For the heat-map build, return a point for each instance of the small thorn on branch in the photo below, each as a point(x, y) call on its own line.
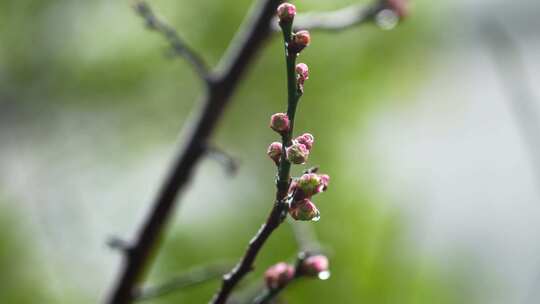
point(119, 244)
point(178, 45)
point(230, 163)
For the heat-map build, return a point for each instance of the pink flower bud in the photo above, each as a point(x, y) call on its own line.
point(297, 153)
point(274, 151)
point(306, 139)
point(314, 265)
point(400, 7)
point(279, 122)
point(308, 184)
point(278, 275)
point(325, 180)
point(300, 40)
point(304, 210)
point(302, 70)
point(286, 12)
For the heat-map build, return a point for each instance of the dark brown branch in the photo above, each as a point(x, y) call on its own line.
point(190, 278)
point(179, 47)
point(221, 87)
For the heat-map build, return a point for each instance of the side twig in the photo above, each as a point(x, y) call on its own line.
point(179, 47)
point(190, 278)
point(340, 19)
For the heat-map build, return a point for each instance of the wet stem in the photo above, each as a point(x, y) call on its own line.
point(283, 177)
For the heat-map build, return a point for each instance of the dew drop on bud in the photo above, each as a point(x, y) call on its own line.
point(387, 19)
point(324, 275)
point(316, 218)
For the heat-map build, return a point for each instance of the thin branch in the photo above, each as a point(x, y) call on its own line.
point(190, 278)
point(230, 163)
point(340, 19)
point(178, 45)
point(279, 211)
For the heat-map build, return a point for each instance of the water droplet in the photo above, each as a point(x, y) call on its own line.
point(317, 217)
point(324, 275)
point(387, 19)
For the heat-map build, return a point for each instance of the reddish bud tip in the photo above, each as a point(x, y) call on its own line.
point(279, 122)
point(278, 275)
point(302, 70)
point(297, 153)
point(274, 151)
point(304, 210)
point(400, 7)
point(306, 139)
point(286, 12)
point(314, 265)
point(300, 40)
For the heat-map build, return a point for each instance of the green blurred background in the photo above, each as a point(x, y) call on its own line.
point(90, 112)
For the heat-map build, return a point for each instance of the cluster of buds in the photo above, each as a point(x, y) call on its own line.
point(278, 275)
point(299, 40)
point(301, 191)
point(281, 274)
point(298, 152)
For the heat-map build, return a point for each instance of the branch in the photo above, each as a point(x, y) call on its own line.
point(279, 211)
point(340, 19)
point(192, 277)
point(179, 47)
point(222, 84)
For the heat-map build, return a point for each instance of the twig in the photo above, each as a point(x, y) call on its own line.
point(340, 19)
point(192, 277)
point(179, 46)
point(230, 163)
point(279, 211)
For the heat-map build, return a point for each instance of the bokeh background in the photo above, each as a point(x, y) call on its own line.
point(429, 132)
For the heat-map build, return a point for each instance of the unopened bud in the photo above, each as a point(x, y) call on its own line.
point(278, 275)
point(297, 153)
point(400, 7)
point(307, 185)
point(304, 210)
point(306, 139)
point(300, 40)
point(314, 265)
point(274, 151)
point(302, 72)
point(325, 180)
point(279, 122)
point(286, 12)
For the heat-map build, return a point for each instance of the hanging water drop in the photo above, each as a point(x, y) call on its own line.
point(387, 19)
point(324, 275)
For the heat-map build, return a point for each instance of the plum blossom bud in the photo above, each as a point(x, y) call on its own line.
point(302, 72)
point(278, 275)
point(279, 122)
point(400, 7)
point(306, 139)
point(274, 151)
point(286, 12)
point(300, 40)
point(308, 184)
point(325, 180)
point(304, 210)
point(314, 265)
point(297, 153)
